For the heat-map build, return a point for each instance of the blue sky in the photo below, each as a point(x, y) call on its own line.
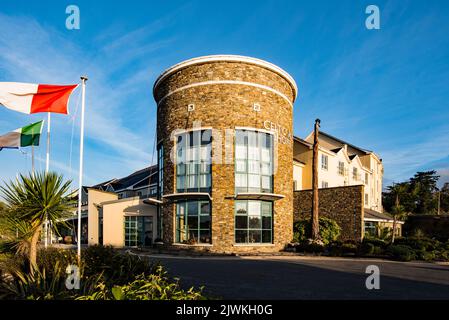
point(385, 90)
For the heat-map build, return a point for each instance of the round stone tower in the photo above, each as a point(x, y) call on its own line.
point(225, 154)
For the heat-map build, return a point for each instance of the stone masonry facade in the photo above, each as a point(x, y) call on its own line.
point(342, 204)
point(222, 106)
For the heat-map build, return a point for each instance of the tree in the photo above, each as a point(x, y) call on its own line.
point(398, 211)
point(444, 198)
point(425, 185)
point(35, 198)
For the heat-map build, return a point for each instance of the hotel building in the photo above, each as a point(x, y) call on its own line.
point(228, 164)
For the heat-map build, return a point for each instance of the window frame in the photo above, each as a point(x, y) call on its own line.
point(186, 216)
point(194, 167)
point(247, 214)
point(324, 164)
point(256, 171)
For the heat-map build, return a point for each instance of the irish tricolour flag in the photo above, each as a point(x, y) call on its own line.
point(22, 137)
point(33, 98)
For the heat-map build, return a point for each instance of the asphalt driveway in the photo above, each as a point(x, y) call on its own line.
point(297, 277)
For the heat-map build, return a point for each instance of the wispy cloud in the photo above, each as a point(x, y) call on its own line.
point(30, 52)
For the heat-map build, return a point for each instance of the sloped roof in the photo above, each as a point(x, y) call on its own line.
point(342, 142)
point(372, 214)
point(134, 178)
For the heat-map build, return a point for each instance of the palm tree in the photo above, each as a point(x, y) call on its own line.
point(398, 211)
point(33, 199)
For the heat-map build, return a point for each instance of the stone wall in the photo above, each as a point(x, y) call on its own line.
point(342, 204)
point(223, 106)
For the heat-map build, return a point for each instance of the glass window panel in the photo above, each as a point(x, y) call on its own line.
point(266, 169)
point(192, 222)
point(181, 169)
point(253, 181)
point(266, 182)
point(266, 236)
point(192, 208)
point(241, 222)
point(254, 208)
point(240, 180)
point(266, 208)
point(266, 155)
point(253, 166)
point(253, 153)
point(204, 222)
point(254, 236)
point(205, 208)
point(193, 182)
point(205, 236)
point(240, 207)
point(193, 235)
point(254, 222)
point(240, 152)
point(240, 165)
point(266, 222)
point(241, 236)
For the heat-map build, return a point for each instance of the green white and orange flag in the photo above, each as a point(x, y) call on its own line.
point(22, 137)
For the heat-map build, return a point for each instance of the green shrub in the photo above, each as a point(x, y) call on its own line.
point(376, 242)
point(401, 252)
point(426, 255)
point(442, 255)
point(310, 247)
point(424, 244)
point(349, 248)
point(102, 268)
point(329, 230)
point(117, 268)
point(334, 249)
point(155, 286)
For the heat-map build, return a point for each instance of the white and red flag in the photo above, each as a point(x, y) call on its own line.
point(33, 98)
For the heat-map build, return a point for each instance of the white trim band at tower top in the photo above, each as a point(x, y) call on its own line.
point(230, 58)
point(234, 82)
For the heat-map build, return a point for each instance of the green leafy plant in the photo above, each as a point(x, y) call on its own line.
point(329, 230)
point(401, 252)
point(34, 199)
point(156, 286)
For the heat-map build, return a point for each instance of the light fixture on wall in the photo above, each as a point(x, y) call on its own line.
point(256, 107)
point(191, 107)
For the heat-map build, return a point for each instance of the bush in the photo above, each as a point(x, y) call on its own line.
point(349, 248)
point(401, 252)
point(116, 267)
point(102, 268)
point(423, 244)
point(329, 230)
point(310, 247)
point(426, 255)
point(155, 286)
point(372, 247)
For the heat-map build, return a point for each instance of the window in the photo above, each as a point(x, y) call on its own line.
point(366, 178)
point(253, 161)
point(366, 198)
point(355, 174)
point(341, 168)
point(324, 162)
point(160, 164)
point(324, 184)
point(138, 231)
point(193, 161)
point(370, 229)
point(253, 221)
point(193, 221)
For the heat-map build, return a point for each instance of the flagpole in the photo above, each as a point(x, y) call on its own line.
point(47, 167)
point(47, 164)
point(80, 180)
point(32, 160)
